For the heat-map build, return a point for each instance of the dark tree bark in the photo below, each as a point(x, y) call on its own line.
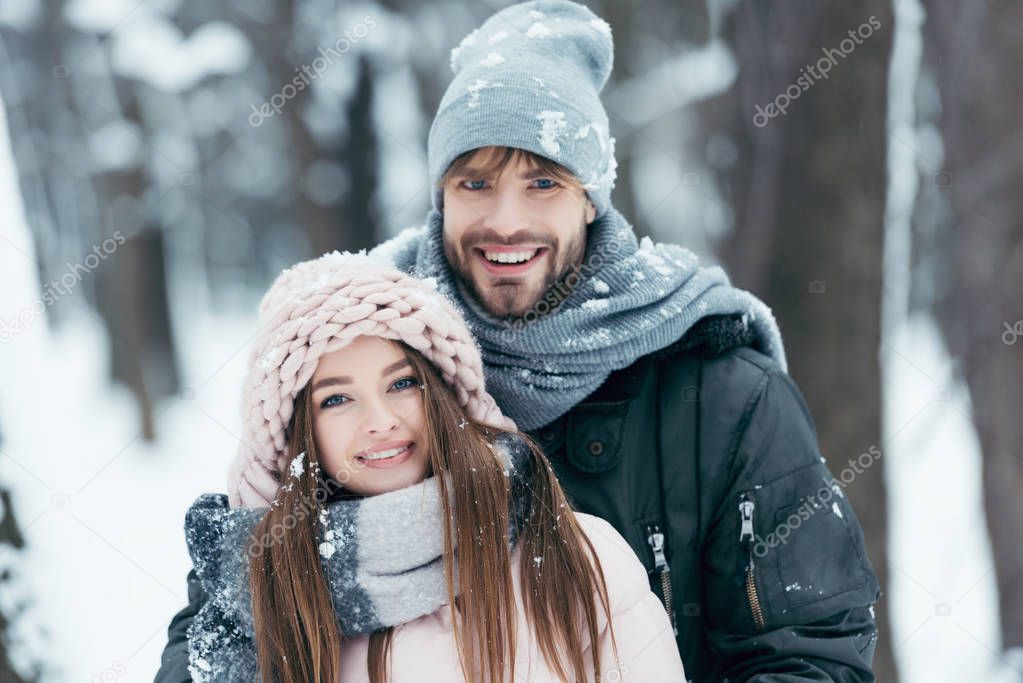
point(974, 50)
point(359, 155)
point(132, 298)
point(131, 282)
point(808, 192)
point(11, 540)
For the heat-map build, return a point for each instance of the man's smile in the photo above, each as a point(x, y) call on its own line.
point(509, 261)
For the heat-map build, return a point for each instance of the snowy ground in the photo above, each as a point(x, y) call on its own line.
point(941, 581)
point(101, 509)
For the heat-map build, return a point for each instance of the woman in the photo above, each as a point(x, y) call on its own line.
point(386, 522)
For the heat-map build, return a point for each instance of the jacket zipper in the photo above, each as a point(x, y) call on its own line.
point(656, 540)
point(746, 534)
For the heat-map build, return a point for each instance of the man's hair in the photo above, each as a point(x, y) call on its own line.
point(491, 161)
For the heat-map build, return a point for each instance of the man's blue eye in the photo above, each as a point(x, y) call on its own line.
point(329, 402)
point(475, 184)
point(545, 184)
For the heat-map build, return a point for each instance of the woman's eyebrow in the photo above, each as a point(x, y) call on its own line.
point(395, 366)
point(345, 379)
point(330, 381)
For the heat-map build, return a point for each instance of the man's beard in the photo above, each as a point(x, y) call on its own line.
point(511, 298)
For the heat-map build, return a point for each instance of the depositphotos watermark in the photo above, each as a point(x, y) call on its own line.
point(1012, 333)
point(818, 501)
point(564, 288)
point(25, 318)
point(811, 75)
point(617, 674)
point(309, 72)
point(110, 674)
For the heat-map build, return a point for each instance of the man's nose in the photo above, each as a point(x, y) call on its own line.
point(506, 214)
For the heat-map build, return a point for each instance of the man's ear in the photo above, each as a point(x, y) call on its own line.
point(591, 212)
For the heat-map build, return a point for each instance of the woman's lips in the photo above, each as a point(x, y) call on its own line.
point(392, 461)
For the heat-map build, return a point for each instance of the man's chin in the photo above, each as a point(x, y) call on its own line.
point(506, 301)
point(501, 308)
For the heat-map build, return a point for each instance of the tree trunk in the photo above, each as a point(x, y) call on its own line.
point(133, 300)
point(973, 50)
point(131, 282)
point(808, 192)
point(11, 540)
point(359, 157)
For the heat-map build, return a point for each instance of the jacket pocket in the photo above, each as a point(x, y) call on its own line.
point(594, 435)
point(806, 559)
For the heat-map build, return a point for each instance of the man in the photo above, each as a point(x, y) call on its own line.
point(658, 391)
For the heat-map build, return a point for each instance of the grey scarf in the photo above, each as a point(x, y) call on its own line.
point(626, 300)
point(382, 557)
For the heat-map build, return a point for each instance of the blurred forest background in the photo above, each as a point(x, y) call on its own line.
point(162, 172)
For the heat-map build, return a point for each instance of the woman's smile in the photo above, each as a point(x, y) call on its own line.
point(390, 454)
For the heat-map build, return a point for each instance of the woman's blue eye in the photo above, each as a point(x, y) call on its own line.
point(340, 400)
point(545, 184)
point(475, 184)
point(329, 402)
point(404, 383)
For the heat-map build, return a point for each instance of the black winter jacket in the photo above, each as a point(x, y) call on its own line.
point(705, 458)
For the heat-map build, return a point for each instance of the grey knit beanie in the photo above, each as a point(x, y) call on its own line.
point(530, 77)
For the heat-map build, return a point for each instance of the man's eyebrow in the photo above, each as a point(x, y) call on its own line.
point(345, 379)
point(470, 172)
point(534, 173)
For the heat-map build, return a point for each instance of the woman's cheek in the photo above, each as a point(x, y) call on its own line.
point(411, 403)
point(330, 444)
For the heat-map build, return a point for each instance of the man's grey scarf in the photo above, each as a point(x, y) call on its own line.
point(382, 557)
point(626, 300)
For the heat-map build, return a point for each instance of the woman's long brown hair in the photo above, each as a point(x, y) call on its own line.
point(298, 637)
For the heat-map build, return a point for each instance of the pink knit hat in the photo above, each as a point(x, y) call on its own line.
point(319, 306)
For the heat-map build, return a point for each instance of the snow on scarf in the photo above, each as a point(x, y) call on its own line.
point(382, 557)
point(626, 300)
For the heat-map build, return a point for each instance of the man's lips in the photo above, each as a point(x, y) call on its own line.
point(508, 269)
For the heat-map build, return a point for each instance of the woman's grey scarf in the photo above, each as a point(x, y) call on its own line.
point(382, 557)
point(626, 300)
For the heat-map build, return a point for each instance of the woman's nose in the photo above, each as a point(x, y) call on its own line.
point(381, 419)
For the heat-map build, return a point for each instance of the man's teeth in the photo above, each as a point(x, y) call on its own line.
point(510, 256)
point(380, 455)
